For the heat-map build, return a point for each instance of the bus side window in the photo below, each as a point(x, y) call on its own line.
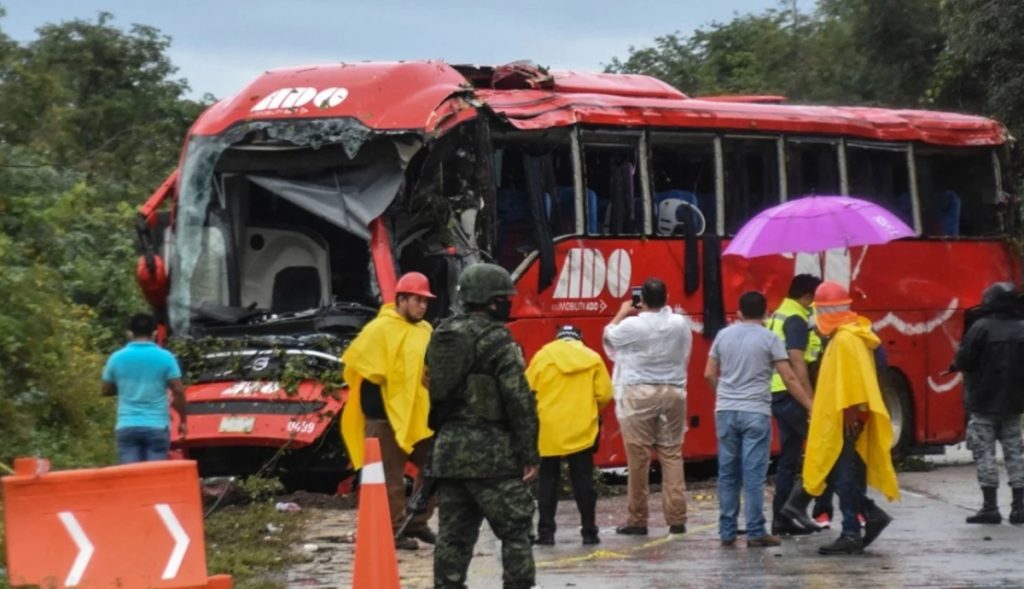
point(611, 170)
point(751, 179)
point(683, 182)
point(812, 167)
point(958, 192)
point(878, 173)
point(550, 156)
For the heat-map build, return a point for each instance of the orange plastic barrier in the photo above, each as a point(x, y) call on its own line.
point(375, 563)
point(137, 525)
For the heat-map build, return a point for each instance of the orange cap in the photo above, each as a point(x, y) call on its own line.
point(414, 283)
point(832, 307)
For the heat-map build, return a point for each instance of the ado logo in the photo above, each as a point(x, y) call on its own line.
point(586, 273)
point(296, 97)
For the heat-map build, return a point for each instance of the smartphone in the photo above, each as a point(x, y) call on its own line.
point(636, 297)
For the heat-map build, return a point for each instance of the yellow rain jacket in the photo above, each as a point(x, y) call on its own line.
point(388, 352)
point(847, 378)
point(572, 384)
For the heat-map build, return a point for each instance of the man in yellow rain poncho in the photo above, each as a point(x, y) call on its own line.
point(387, 398)
point(850, 429)
point(572, 385)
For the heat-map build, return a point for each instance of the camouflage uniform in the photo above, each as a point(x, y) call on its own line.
point(983, 431)
point(487, 436)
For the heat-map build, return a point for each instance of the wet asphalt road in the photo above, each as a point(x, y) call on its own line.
point(928, 545)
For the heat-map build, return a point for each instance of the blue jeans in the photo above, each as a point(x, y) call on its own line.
point(142, 444)
point(850, 477)
point(744, 441)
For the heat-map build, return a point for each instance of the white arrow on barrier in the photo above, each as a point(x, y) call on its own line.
point(85, 548)
point(181, 540)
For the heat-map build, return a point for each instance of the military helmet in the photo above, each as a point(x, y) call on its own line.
point(480, 283)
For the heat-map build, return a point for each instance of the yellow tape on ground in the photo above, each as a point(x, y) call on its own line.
point(602, 554)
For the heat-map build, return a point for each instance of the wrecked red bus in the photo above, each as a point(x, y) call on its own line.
point(298, 201)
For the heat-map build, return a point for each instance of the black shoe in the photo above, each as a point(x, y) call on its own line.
point(796, 508)
point(544, 540)
point(1017, 506)
point(783, 526)
point(423, 534)
point(985, 516)
point(591, 538)
point(677, 529)
point(874, 523)
point(843, 545)
point(631, 530)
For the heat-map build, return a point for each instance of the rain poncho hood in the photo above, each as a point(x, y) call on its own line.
point(388, 352)
point(847, 378)
point(572, 384)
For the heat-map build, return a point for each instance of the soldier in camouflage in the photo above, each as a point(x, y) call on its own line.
point(991, 357)
point(485, 419)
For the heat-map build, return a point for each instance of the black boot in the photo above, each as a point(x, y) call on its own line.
point(795, 508)
point(1017, 507)
point(989, 512)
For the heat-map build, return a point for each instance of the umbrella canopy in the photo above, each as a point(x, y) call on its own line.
point(814, 224)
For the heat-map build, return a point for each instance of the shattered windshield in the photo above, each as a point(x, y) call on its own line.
point(273, 219)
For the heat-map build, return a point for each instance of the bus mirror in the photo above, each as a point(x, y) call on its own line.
point(151, 273)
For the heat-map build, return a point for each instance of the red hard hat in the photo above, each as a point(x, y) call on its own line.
point(831, 294)
point(414, 283)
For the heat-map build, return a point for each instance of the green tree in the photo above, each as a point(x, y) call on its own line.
point(93, 97)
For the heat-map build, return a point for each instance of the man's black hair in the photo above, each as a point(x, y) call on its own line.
point(753, 305)
point(142, 325)
point(653, 293)
point(803, 285)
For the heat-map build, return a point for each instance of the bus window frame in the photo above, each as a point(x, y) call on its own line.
point(675, 137)
point(838, 142)
point(997, 181)
point(906, 148)
point(780, 152)
point(618, 138)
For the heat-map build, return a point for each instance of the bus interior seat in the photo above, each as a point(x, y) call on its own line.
point(673, 212)
point(944, 214)
point(903, 207)
point(296, 288)
point(273, 256)
point(566, 202)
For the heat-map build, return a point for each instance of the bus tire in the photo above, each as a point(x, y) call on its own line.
point(896, 396)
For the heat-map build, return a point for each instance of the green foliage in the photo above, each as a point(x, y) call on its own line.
point(94, 97)
point(92, 123)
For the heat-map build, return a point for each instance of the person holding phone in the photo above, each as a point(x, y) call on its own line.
point(650, 346)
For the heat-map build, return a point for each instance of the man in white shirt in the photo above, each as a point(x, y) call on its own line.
point(650, 346)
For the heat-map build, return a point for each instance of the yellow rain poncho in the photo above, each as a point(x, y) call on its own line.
point(847, 378)
point(388, 352)
point(571, 383)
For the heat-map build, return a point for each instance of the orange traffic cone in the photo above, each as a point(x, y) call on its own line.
point(376, 566)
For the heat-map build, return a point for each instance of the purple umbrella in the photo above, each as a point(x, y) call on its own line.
point(814, 224)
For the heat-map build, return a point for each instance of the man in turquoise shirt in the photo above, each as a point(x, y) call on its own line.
point(140, 374)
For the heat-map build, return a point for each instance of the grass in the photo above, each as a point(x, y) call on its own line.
point(254, 544)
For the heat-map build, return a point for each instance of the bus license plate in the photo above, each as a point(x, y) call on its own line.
point(236, 424)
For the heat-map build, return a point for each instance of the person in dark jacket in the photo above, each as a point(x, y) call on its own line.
point(991, 357)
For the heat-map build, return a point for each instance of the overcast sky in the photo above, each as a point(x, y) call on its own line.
point(220, 45)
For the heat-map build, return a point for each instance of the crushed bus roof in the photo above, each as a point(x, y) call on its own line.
point(427, 96)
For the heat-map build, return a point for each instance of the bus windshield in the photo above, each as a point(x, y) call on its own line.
point(274, 218)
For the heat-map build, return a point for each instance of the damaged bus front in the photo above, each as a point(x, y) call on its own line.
point(288, 221)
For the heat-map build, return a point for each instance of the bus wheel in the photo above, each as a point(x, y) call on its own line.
point(896, 396)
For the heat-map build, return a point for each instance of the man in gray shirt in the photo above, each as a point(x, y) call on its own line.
point(739, 370)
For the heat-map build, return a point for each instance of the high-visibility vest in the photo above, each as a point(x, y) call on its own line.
point(787, 309)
